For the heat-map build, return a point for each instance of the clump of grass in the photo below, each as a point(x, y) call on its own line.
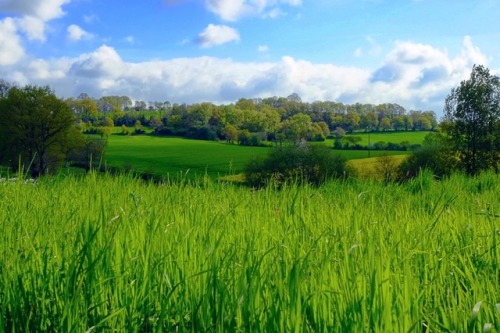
point(99, 253)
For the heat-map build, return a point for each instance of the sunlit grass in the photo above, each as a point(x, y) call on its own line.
point(369, 168)
point(172, 157)
point(102, 253)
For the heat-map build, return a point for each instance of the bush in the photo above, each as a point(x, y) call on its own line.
point(312, 164)
point(89, 155)
point(433, 156)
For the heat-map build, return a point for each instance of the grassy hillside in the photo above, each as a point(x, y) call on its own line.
point(164, 155)
point(175, 156)
point(101, 253)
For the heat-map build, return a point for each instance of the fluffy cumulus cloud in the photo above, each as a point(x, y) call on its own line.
point(416, 76)
point(30, 16)
point(77, 33)
point(421, 74)
point(43, 9)
point(11, 50)
point(217, 35)
point(232, 10)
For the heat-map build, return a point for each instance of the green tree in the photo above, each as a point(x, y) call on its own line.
point(85, 108)
point(230, 133)
point(472, 120)
point(298, 127)
point(35, 129)
point(385, 124)
point(244, 137)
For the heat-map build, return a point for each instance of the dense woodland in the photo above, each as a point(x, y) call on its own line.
point(248, 121)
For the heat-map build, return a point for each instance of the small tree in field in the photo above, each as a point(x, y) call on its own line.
point(472, 120)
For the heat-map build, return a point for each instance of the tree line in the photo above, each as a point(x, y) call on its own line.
point(248, 121)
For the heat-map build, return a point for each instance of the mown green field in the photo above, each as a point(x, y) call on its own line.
point(177, 156)
point(416, 137)
point(98, 253)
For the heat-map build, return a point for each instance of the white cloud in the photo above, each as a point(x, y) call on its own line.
point(32, 15)
point(419, 74)
point(104, 62)
point(32, 26)
point(229, 10)
point(11, 50)
point(217, 35)
point(76, 33)
point(43, 9)
point(416, 76)
point(232, 10)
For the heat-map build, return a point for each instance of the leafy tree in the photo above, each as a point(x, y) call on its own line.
point(338, 134)
point(230, 133)
point(108, 122)
point(408, 122)
point(352, 141)
point(138, 129)
point(398, 123)
point(351, 120)
point(298, 127)
point(385, 123)
point(472, 119)
point(244, 137)
point(35, 129)
point(84, 107)
point(155, 123)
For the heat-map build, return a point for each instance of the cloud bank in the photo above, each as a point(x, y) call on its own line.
point(416, 76)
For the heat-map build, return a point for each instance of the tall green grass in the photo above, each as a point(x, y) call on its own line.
point(99, 253)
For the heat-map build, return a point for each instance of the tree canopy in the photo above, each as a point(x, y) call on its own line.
point(472, 120)
point(37, 129)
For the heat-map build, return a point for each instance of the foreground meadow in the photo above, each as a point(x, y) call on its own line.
point(102, 253)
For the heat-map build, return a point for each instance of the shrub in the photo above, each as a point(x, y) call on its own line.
point(434, 156)
point(303, 163)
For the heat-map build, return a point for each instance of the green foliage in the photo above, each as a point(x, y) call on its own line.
point(386, 168)
point(301, 163)
point(434, 155)
point(88, 154)
point(472, 119)
point(96, 253)
point(35, 129)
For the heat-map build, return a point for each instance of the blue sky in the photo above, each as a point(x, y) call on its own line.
point(410, 52)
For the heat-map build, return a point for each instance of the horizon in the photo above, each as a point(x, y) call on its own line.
point(411, 52)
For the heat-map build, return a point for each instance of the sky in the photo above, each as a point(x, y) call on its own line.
point(410, 52)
